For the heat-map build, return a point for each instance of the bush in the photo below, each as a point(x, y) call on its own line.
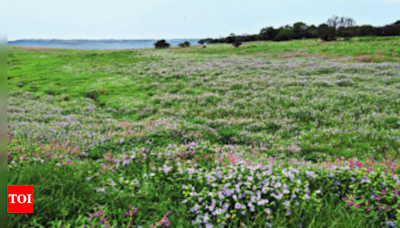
point(184, 44)
point(237, 43)
point(162, 44)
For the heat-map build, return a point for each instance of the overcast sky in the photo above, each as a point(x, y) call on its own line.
point(134, 19)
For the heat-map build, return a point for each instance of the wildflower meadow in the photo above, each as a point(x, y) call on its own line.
point(290, 134)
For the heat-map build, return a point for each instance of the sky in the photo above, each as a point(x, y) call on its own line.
point(167, 19)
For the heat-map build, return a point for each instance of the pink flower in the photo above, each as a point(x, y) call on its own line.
point(350, 203)
point(135, 210)
point(165, 219)
point(168, 212)
point(98, 213)
point(69, 162)
point(368, 208)
point(357, 206)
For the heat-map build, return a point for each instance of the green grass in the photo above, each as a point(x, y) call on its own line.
point(76, 116)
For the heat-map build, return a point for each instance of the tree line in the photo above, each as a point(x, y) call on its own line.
point(334, 28)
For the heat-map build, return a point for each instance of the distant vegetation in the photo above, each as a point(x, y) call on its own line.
point(237, 43)
point(335, 27)
point(162, 44)
point(184, 44)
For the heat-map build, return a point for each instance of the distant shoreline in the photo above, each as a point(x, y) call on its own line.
point(106, 44)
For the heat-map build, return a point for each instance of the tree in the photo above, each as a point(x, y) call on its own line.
point(311, 32)
point(162, 44)
point(347, 22)
point(206, 41)
point(366, 30)
point(326, 33)
point(285, 33)
point(299, 30)
point(268, 33)
point(184, 44)
point(333, 22)
point(341, 26)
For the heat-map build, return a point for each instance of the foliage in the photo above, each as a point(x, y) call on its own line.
point(335, 27)
point(162, 44)
point(237, 43)
point(184, 44)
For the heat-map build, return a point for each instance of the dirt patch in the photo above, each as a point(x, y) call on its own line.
point(292, 55)
point(256, 54)
point(363, 58)
point(379, 56)
point(298, 54)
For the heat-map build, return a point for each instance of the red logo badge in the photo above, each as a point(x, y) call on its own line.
point(20, 199)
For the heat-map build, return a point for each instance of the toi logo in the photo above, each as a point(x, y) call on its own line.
point(20, 199)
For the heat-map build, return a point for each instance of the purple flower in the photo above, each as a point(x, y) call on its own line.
point(391, 223)
point(238, 206)
point(98, 213)
point(167, 169)
point(287, 203)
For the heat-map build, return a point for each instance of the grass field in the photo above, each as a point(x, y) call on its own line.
point(289, 134)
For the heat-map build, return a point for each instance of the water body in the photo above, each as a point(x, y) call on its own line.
point(96, 44)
